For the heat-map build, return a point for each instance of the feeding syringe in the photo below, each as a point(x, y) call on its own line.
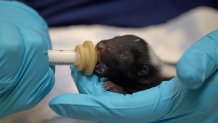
point(84, 57)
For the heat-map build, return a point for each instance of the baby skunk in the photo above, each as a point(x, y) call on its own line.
point(130, 65)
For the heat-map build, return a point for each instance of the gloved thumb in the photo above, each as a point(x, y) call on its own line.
point(199, 62)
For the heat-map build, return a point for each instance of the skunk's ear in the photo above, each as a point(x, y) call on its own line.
point(144, 70)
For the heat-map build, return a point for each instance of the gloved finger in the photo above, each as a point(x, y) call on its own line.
point(30, 19)
point(199, 62)
point(8, 66)
point(87, 84)
point(25, 76)
point(171, 101)
point(145, 106)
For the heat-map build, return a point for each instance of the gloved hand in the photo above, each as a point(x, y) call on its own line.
point(190, 97)
point(25, 76)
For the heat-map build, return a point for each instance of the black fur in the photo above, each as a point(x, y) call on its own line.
point(126, 62)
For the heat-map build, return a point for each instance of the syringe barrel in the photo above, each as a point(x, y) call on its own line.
point(84, 57)
point(63, 57)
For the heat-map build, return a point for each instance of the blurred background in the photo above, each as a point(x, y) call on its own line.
point(169, 26)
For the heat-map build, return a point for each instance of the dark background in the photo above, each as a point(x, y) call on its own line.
point(124, 13)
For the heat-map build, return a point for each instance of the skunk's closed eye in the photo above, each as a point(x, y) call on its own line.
point(123, 57)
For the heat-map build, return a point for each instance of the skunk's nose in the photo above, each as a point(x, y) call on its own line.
point(100, 47)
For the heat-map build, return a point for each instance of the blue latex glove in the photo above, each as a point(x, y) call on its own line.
point(25, 76)
point(191, 97)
